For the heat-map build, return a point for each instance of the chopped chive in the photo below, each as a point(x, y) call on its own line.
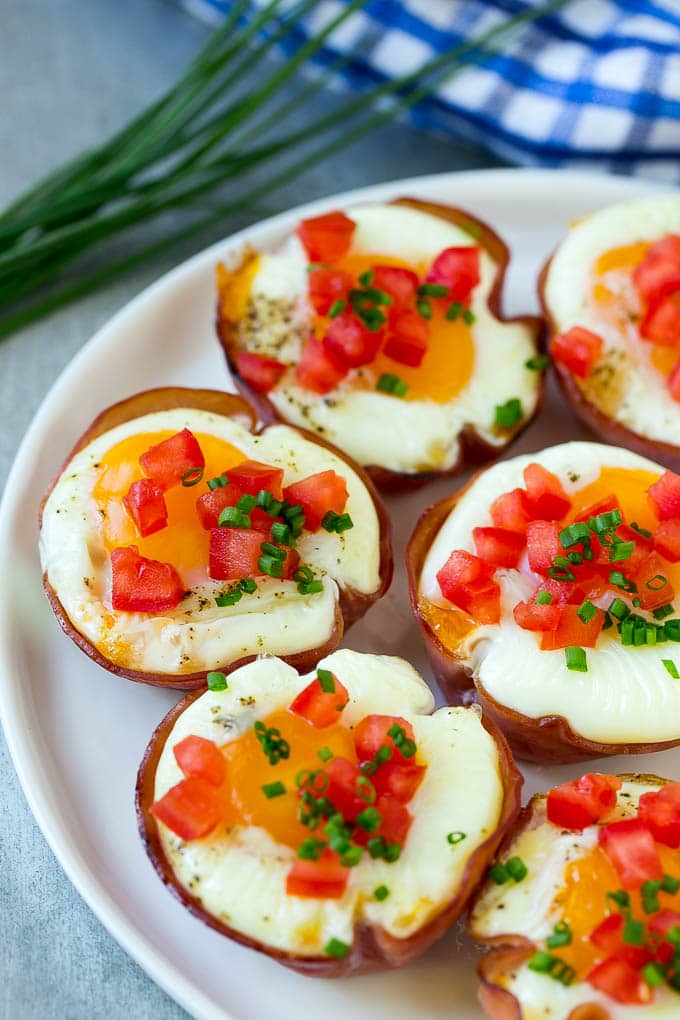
point(509, 413)
point(218, 482)
point(337, 949)
point(264, 499)
point(392, 384)
point(537, 363)
point(273, 550)
point(673, 936)
point(310, 587)
point(576, 659)
point(586, 611)
point(366, 278)
point(392, 853)
point(657, 582)
point(326, 681)
point(376, 847)
point(541, 962)
point(270, 565)
point(336, 308)
point(606, 521)
point(311, 849)
point(433, 290)
point(281, 533)
point(671, 668)
point(561, 936)
point(561, 570)
point(216, 681)
point(273, 789)
point(641, 531)
point(469, 317)
point(633, 932)
point(192, 477)
point(383, 754)
point(424, 309)
point(573, 534)
point(653, 974)
point(621, 551)
point(663, 611)
point(672, 630)
point(453, 311)
point(544, 598)
point(670, 884)
point(228, 598)
point(575, 557)
point(247, 585)
point(499, 874)
point(381, 893)
point(246, 503)
point(619, 580)
point(619, 609)
point(351, 856)
point(620, 897)
point(231, 517)
point(325, 754)
point(337, 523)
point(455, 837)
point(517, 869)
point(369, 819)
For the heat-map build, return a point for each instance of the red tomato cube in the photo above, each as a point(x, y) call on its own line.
point(583, 801)
point(348, 789)
point(537, 616)
point(457, 269)
point(630, 847)
point(546, 498)
point(649, 574)
point(407, 338)
point(191, 809)
point(571, 630)
point(319, 707)
point(326, 286)
point(140, 585)
point(317, 494)
point(324, 879)
point(397, 780)
point(511, 511)
point(578, 349)
point(372, 733)
point(234, 553)
point(168, 462)
point(210, 505)
point(659, 272)
point(543, 545)
point(201, 758)
point(326, 238)
point(498, 546)
point(349, 342)
point(621, 982)
point(664, 496)
point(317, 370)
point(465, 580)
point(608, 936)
point(661, 324)
point(259, 372)
point(660, 811)
point(145, 503)
point(250, 476)
point(401, 284)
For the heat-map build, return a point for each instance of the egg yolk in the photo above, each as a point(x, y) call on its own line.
point(450, 357)
point(184, 542)
point(582, 903)
point(450, 626)
point(248, 770)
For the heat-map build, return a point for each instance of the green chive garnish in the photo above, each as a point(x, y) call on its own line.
point(216, 681)
point(621, 551)
point(633, 932)
point(657, 582)
point(576, 659)
point(381, 893)
point(369, 819)
point(618, 609)
point(453, 311)
point(641, 531)
point(537, 363)
point(663, 611)
point(337, 523)
point(561, 936)
point(541, 962)
point(247, 585)
point(508, 414)
point(392, 384)
point(192, 477)
point(620, 897)
point(455, 837)
point(516, 868)
point(469, 317)
point(218, 482)
point(366, 278)
point(228, 598)
point(270, 565)
point(433, 290)
point(544, 598)
point(586, 611)
point(424, 309)
point(670, 884)
point(326, 681)
point(620, 580)
point(232, 517)
point(653, 974)
point(671, 668)
point(337, 949)
point(336, 308)
point(281, 533)
point(273, 789)
point(499, 874)
point(325, 754)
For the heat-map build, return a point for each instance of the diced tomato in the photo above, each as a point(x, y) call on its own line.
point(466, 581)
point(602, 506)
point(498, 546)
point(571, 630)
point(168, 462)
point(140, 585)
point(578, 349)
point(397, 780)
point(629, 845)
point(536, 616)
point(543, 545)
point(145, 503)
point(324, 879)
point(191, 809)
point(234, 553)
point(674, 382)
point(653, 587)
point(396, 820)
point(457, 269)
point(201, 758)
point(608, 936)
point(250, 476)
point(261, 521)
point(372, 733)
point(326, 286)
point(328, 237)
point(317, 494)
point(621, 982)
point(259, 372)
point(659, 272)
point(546, 498)
point(348, 789)
point(661, 324)
point(349, 342)
point(210, 505)
point(667, 539)
point(511, 511)
point(401, 284)
point(583, 801)
point(407, 338)
point(660, 924)
point(660, 811)
point(321, 708)
point(664, 495)
point(563, 592)
point(317, 370)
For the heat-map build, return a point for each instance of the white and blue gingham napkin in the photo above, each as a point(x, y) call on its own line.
point(596, 85)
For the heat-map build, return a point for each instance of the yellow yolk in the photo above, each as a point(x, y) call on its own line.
point(582, 903)
point(450, 356)
point(248, 770)
point(450, 626)
point(234, 288)
point(184, 542)
point(628, 256)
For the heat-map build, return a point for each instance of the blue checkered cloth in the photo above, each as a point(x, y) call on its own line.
point(595, 86)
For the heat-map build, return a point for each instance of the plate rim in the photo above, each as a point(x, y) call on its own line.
point(180, 987)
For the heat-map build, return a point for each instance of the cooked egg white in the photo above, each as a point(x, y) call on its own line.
point(197, 635)
point(402, 435)
point(628, 383)
point(528, 909)
point(240, 876)
point(627, 695)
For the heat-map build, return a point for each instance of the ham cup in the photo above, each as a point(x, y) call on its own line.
point(177, 540)
point(546, 591)
point(611, 296)
point(379, 328)
point(329, 820)
point(582, 906)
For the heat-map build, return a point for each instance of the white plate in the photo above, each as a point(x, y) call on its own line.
point(77, 733)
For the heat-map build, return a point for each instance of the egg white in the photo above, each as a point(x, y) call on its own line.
point(627, 695)
point(198, 635)
point(644, 403)
point(240, 876)
point(527, 909)
point(375, 428)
